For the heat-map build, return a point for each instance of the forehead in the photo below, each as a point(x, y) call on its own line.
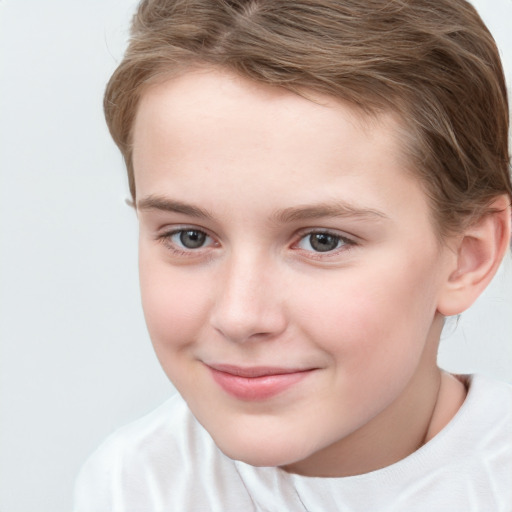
point(216, 128)
point(208, 93)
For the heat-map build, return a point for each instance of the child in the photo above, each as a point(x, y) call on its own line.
point(319, 183)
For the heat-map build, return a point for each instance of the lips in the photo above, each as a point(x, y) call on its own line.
point(258, 382)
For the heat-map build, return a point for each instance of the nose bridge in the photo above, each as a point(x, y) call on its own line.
point(248, 304)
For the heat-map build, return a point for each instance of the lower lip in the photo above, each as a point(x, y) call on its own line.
point(257, 388)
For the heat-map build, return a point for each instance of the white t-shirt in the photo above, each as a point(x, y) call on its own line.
point(167, 462)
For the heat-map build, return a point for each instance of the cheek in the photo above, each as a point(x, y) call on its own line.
point(373, 327)
point(372, 318)
point(174, 303)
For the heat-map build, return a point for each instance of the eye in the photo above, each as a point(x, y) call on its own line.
point(187, 244)
point(189, 238)
point(185, 241)
point(322, 242)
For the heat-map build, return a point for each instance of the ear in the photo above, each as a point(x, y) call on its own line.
point(478, 254)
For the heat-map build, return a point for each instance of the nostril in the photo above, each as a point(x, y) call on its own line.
point(248, 324)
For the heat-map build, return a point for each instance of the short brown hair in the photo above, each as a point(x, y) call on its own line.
point(434, 63)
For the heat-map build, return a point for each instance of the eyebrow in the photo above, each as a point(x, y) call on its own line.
point(170, 205)
point(334, 209)
point(286, 215)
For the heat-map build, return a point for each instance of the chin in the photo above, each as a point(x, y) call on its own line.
point(258, 457)
point(262, 452)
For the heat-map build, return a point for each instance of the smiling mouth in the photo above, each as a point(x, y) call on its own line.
point(258, 382)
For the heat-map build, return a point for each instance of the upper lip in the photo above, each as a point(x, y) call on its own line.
point(255, 371)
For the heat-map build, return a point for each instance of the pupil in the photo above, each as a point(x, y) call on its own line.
point(192, 239)
point(323, 242)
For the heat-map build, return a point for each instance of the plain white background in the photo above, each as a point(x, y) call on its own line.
point(75, 359)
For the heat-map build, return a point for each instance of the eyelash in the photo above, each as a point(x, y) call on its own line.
point(346, 242)
point(166, 239)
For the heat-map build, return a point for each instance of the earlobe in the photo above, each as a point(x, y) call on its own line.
point(479, 252)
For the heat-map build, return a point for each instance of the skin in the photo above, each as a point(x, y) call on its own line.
point(257, 169)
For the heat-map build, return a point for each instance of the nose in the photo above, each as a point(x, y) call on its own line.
point(249, 303)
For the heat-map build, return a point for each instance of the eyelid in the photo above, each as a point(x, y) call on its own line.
point(164, 236)
point(343, 235)
point(348, 242)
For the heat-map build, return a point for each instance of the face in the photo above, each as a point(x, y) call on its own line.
point(289, 269)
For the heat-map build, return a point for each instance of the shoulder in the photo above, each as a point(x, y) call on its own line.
point(484, 419)
point(489, 396)
point(479, 443)
point(163, 461)
point(136, 453)
point(487, 412)
point(161, 427)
